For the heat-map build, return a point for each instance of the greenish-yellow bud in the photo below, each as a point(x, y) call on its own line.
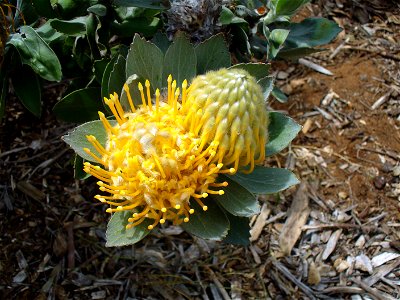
point(233, 115)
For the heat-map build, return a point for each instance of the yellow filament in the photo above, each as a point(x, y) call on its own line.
point(147, 84)
point(128, 94)
point(157, 99)
point(140, 87)
point(184, 91)
point(119, 107)
point(169, 80)
point(87, 150)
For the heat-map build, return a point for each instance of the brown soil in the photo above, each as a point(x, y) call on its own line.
point(356, 82)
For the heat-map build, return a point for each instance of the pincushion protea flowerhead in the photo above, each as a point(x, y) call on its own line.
point(165, 154)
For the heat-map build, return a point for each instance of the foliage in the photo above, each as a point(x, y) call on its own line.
point(85, 37)
point(227, 214)
point(95, 47)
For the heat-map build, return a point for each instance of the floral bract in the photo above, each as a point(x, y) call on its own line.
point(169, 151)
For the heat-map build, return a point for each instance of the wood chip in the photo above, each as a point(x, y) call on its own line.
point(297, 218)
point(381, 272)
point(315, 66)
point(31, 191)
point(314, 277)
point(331, 245)
point(383, 258)
point(307, 125)
point(379, 295)
point(258, 226)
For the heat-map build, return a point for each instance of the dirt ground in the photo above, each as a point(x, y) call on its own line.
point(337, 236)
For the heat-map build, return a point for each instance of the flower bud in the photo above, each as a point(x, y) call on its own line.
point(233, 100)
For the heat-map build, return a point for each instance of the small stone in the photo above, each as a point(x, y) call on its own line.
point(282, 75)
point(379, 182)
point(360, 242)
point(341, 265)
point(396, 171)
point(363, 263)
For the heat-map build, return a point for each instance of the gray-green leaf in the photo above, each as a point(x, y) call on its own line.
point(266, 180)
point(118, 235)
point(36, 53)
point(79, 106)
point(146, 61)
point(211, 224)
point(212, 54)
point(239, 233)
point(77, 140)
point(237, 200)
point(26, 86)
point(282, 130)
point(180, 60)
point(257, 70)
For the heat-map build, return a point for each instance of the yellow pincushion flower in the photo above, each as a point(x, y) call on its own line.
point(158, 158)
point(233, 115)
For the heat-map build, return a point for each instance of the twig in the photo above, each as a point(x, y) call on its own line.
point(219, 285)
point(381, 100)
point(381, 53)
point(333, 153)
point(375, 294)
point(309, 292)
point(341, 225)
point(315, 66)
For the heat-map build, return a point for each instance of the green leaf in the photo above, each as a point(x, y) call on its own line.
point(27, 88)
point(117, 76)
point(312, 32)
point(99, 66)
point(279, 95)
point(35, 52)
point(106, 77)
point(118, 235)
point(77, 140)
point(287, 7)
point(155, 4)
point(79, 106)
point(78, 168)
point(257, 70)
point(74, 27)
point(180, 60)
point(282, 130)
point(146, 61)
point(212, 54)
point(146, 26)
point(237, 200)
point(296, 53)
point(277, 37)
point(240, 39)
point(98, 9)
point(239, 233)
point(48, 33)
point(227, 17)
point(43, 8)
point(266, 180)
point(267, 84)
point(161, 41)
point(211, 224)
